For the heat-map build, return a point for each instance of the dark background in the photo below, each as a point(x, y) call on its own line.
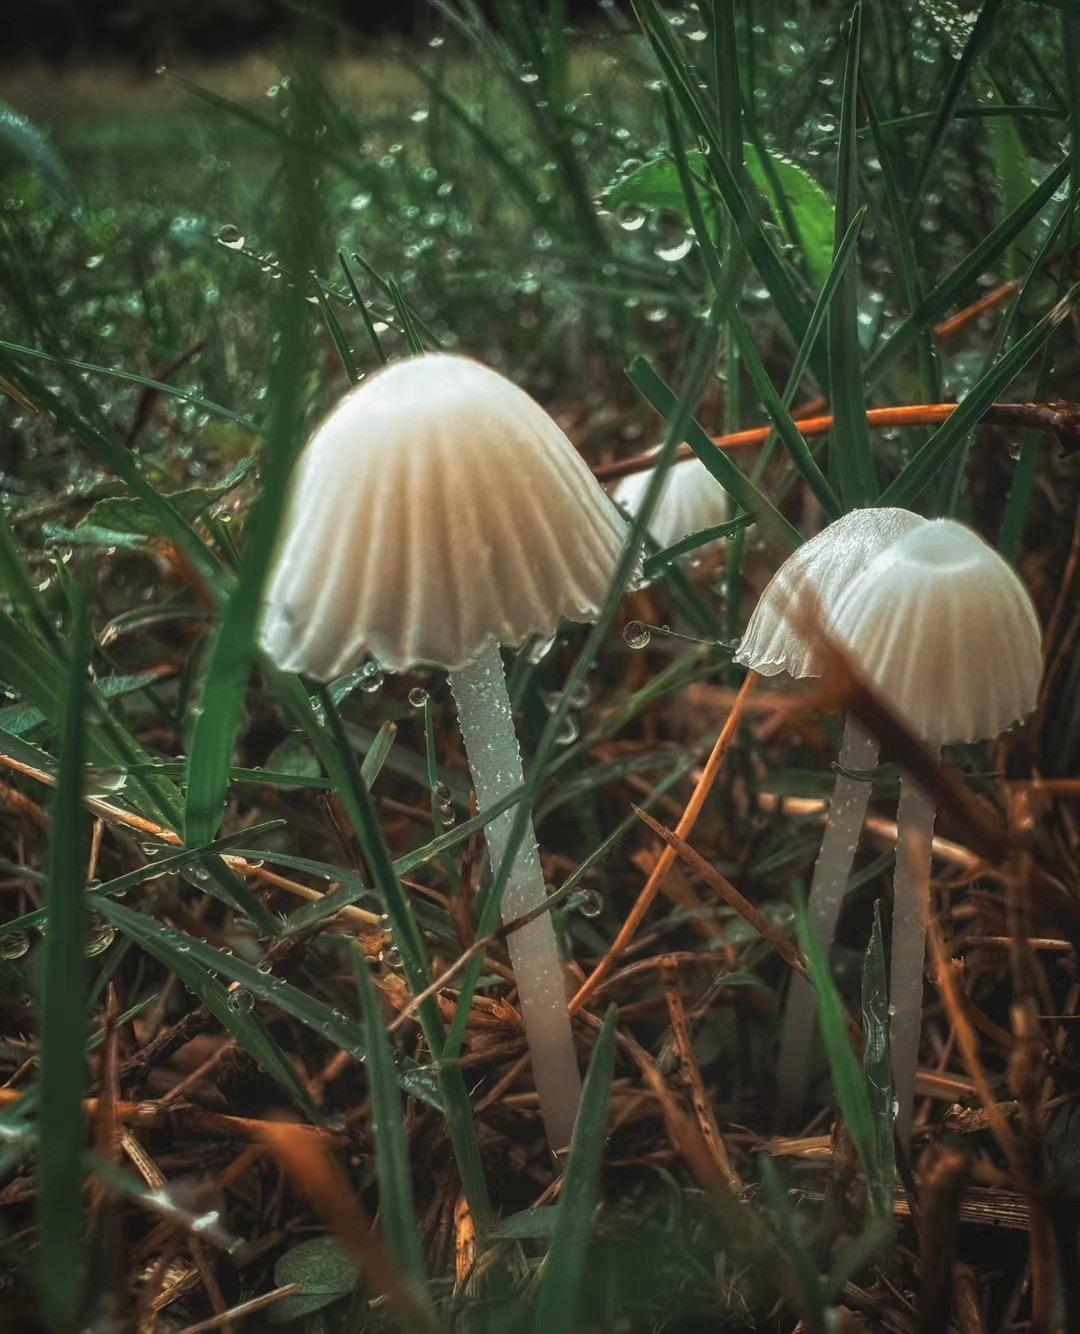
point(145, 32)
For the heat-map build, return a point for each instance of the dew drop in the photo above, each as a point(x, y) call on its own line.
point(99, 937)
point(568, 731)
point(418, 697)
point(636, 634)
point(591, 904)
point(671, 254)
point(631, 217)
point(372, 679)
point(15, 945)
point(231, 237)
point(241, 1001)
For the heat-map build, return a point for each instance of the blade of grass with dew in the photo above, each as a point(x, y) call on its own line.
point(559, 1298)
point(332, 746)
point(233, 651)
point(176, 948)
point(61, 1263)
point(772, 523)
point(173, 861)
point(396, 1208)
point(700, 360)
point(337, 335)
point(844, 253)
point(122, 462)
point(877, 1066)
point(921, 470)
point(659, 560)
point(851, 1093)
point(976, 42)
point(851, 458)
point(365, 314)
point(131, 377)
point(910, 269)
point(792, 308)
point(788, 432)
point(953, 287)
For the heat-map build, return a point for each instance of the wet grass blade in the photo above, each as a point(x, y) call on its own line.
point(391, 1143)
point(172, 861)
point(232, 654)
point(792, 308)
point(772, 523)
point(851, 1094)
point(851, 459)
point(560, 1288)
point(932, 457)
point(175, 948)
point(331, 744)
point(877, 1067)
point(61, 1267)
point(976, 43)
point(956, 284)
point(785, 427)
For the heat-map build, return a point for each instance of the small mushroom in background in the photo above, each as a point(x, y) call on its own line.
point(692, 500)
point(940, 626)
point(780, 637)
point(437, 513)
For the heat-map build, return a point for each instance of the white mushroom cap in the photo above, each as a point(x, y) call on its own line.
point(943, 629)
point(438, 509)
point(692, 499)
point(821, 568)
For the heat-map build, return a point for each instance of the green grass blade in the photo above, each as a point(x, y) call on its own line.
point(391, 1143)
point(61, 1265)
point(173, 861)
point(803, 1266)
point(788, 432)
point(906, 488)
point(851, 1093)
point(851, 459)
point(877, 1067)
point(772, 523)
point(332, 746)
point(560, 1289)
point(790, 305)
point(233, 651)
point(953, 287)
point(974, 46)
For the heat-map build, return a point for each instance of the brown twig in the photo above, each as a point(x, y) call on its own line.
point(683, 829)
point(1058, 419)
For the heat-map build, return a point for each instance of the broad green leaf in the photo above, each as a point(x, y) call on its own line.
point(123, 514)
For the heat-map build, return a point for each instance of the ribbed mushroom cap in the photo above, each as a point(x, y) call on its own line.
point(943, 629)
point(436, 510)
point(821, 568)
point(692, 499)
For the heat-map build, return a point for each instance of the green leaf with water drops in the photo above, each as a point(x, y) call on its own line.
point(23, 137)
point(128, 515)
point(655, 185)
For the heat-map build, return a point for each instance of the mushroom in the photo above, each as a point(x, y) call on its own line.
point(437, 513)
point(941, 627)
point(692, 499)
point(780, 638)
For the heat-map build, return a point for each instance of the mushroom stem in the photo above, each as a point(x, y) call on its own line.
point(847, 811)
point(491, 746)
point(911, 909)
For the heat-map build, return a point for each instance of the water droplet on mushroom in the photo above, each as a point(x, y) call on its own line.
point(372, 679)
point(636, 634)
